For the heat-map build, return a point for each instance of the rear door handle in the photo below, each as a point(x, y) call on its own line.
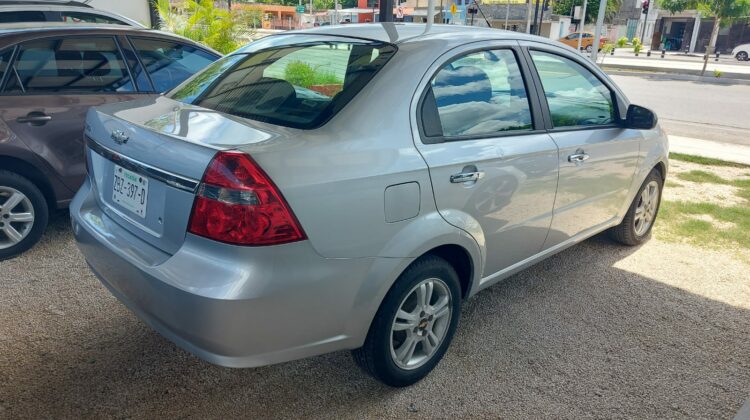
point(466, 177)
point(578, 157)
point(35, 118)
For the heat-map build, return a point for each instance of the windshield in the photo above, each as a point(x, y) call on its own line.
point(300, 85)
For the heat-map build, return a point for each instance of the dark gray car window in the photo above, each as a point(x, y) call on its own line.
point(481, 94)
point(574, 95)
point(170, 63)
point(22, 16)
point(85, 65)
point(82, 17)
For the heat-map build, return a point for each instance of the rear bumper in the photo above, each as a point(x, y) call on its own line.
point(233, 306)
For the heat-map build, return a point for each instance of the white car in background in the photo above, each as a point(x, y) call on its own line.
point(59, 11)
point(741, 52)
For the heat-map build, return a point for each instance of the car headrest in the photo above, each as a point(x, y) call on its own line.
point(461, 85)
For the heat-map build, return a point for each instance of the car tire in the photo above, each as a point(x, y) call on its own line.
point(589, 49)
point(22, 222)
point(639, 220)
point(742, 56)
point(401, 350)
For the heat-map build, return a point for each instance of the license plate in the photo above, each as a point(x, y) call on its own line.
point(130, 190)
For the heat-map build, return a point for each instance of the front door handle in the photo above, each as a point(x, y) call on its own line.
point(578, 157)
point(35, 118)
point(466, 177)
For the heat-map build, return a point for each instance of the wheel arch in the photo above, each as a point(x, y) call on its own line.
point(33, 174)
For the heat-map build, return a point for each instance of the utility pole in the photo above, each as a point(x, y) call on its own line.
point(528, 16)
point(545, 3)
point(645, 22)
point(386, 11)
point(582, 21)
point(536, 15)
point(598, 30)
point(507, 12)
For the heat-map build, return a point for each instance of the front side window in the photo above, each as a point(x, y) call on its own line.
point(86, 65)
point(299, 85)
point(170, 63)
point(574, 95)
point(479, 94)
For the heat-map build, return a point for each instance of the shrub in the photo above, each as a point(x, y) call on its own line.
point(718, 73)
point(202, 22)
point(302, 74)
point(608, 48)
point(636, 41)
point(637, 48)
point(622, 41)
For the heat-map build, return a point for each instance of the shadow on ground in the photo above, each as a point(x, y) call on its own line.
point(573, 336)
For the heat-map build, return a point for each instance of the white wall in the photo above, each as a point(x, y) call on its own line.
point(134, 9)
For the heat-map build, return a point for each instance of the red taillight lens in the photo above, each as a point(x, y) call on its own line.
point(237, 203)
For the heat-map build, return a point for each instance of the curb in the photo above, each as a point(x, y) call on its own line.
point(729, 152)
point(684, 72)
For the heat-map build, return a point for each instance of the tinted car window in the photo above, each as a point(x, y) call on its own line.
point(574, 95)
point(22, 16)
point(481, 94)
point(91, 64)
point(4, 58)
point(170, 63)
point(298, 85)
point(80, 17)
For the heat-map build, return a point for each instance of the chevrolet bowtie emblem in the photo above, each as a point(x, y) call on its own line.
point(119, 136)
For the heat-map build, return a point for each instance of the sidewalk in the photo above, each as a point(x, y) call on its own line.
point(711, 149)
point(679, 64)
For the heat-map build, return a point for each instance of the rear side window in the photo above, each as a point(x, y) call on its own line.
point(574, 95)
point(170, 63)
point(86, 65)
point(22, 16)
point(80, 17)
point(297, 85)
point(479, 94)
point(4, 59)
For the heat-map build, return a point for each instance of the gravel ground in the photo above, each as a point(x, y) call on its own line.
point(596, 331)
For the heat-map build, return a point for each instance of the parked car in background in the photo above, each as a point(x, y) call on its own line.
point(587, 41)
point(741, 52)
point(49, 77)
point(19, 11)
point(254, 225)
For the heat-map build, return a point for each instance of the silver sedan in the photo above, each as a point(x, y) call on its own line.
point(348, 187)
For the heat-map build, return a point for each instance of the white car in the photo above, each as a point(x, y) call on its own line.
point(741, 52)
point(58, 11)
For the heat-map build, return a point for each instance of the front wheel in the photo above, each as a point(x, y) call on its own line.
point(414, 325)
point(742, 56)
point(638, 221)
point(589, 49)
point(23, 214)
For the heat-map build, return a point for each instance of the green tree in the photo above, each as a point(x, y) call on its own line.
point(723, 11)
point(203, 22)
point(565, 7)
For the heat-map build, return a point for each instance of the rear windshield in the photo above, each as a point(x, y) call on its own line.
point(300, 85)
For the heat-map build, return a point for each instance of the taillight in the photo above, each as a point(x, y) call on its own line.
point(238, 203)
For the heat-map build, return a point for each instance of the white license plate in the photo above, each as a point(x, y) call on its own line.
point(130, 190)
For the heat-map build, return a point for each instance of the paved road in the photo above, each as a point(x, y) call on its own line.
point(710, 111)
point(598, 331)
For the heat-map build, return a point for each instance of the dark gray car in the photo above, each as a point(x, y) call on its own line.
point(49, 77)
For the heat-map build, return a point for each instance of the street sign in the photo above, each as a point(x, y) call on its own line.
point(454, 9)
point(300, 9)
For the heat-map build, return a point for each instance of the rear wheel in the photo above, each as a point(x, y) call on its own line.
point(636, 226)
point(414, 325)
point(589, 48)
point(742, 56)
point(23, 214)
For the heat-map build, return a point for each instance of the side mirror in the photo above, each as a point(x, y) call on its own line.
point(640, 118)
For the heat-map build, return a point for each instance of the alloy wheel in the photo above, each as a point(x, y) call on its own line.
point(645, 211)
point(742, 56)
point(421, 323)
point(16, 216)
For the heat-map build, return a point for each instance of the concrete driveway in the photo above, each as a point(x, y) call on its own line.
point(597, 331)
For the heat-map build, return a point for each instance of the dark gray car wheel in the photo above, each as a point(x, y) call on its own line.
point(23, 214)
point(639, 220)
point(742, 56)
point(414, 325)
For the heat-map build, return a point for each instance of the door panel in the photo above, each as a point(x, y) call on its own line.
point(592, 191)
point(512, 201)
point(492, 174)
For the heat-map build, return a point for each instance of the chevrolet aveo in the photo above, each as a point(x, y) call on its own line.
point(349, 187)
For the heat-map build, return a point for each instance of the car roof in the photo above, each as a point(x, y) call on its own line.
point(400, 33)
